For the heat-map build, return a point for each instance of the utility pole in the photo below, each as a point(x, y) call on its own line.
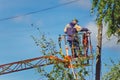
point(99, 47)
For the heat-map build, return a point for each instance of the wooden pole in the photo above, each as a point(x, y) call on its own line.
point(99, 47)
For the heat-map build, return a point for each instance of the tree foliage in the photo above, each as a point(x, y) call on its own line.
point(56, 71)
point(114, 73)
point(108, 11)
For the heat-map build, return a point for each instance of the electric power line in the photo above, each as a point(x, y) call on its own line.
point(34, 12)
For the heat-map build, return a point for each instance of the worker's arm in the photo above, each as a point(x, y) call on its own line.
point(67, 26)
point(78, 27)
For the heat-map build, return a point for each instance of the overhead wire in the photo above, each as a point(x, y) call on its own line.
point(42, 10)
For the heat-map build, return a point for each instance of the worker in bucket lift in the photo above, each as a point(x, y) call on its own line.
point(71, 30)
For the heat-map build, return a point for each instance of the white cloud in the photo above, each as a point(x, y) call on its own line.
point(93, 28)
point(79, 3)
point(23, 19)
point(18, 19)
point(106, 43)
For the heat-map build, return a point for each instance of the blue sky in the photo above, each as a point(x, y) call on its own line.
point(16, 43)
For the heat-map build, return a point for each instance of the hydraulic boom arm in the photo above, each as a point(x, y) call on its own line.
point(23, 65)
